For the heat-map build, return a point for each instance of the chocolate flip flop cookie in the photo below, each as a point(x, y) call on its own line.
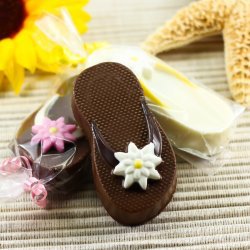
point(62, 158)
point(133, 164)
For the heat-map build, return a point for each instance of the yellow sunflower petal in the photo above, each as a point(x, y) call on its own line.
point(79, 18)
point(25, 53)
point(49, 60)
point(52, 68)
point(32, 5)
point(48, 52)
point(91, 47)
point(15, 75)
point(51, 5)
point(54, 33)
point(39, 7)
point(1, 80)
point(6, 52)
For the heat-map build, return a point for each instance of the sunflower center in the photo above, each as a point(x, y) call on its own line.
point(12, 16)
point(53, 130)
point(138, 164)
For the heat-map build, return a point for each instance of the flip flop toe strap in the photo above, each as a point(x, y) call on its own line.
point(154, 136)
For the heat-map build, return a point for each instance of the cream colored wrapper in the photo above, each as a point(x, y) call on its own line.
point(196, 119)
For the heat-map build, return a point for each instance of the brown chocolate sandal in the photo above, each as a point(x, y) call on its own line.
point(109, 105)
point(65, 172)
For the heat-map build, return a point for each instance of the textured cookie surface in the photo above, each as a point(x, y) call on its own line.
point(109, 95)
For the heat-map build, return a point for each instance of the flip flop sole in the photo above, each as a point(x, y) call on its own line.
point(109, 95)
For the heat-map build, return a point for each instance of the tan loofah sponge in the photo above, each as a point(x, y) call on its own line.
point(206, 18)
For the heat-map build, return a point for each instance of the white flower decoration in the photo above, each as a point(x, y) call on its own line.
point(137, 165)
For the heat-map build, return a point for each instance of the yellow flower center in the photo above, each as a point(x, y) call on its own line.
point(138, 164)
point(12, 16)
point(53, 130)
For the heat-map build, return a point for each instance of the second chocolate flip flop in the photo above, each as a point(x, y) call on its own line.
point(133, 164)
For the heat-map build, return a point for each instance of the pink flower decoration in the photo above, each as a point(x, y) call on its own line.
point(53, 133)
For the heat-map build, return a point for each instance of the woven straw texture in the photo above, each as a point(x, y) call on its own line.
point(207, 211)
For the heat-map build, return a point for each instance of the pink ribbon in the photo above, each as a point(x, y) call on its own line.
point(32, 185)
point(37, 190)
point(11, 165)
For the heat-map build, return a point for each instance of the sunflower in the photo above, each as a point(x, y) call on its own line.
point(39, 34)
